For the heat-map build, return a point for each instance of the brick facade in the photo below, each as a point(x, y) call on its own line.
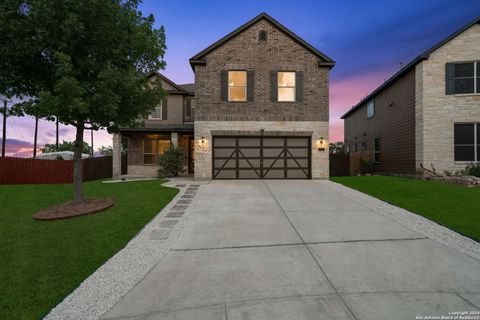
point(245, 52)
point(279, 52)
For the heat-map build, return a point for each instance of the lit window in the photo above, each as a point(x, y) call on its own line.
point(162, 146)
point(154, 145)
point(286, 86)
point(148, 151)
point(156, 113)
point(370, 109)
point(237, 86)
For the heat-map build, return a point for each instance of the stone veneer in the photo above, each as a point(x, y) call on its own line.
point(203, 154)
point(435, 112)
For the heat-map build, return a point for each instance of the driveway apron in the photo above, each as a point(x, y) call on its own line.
point(298, 249)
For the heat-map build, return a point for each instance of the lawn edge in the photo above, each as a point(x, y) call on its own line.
point(418, 223)
point(102, 289)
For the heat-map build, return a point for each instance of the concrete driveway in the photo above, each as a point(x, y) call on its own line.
point(298, 250)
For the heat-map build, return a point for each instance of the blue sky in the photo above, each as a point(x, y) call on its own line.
point(367, 39)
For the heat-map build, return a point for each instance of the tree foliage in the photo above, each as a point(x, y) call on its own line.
point(337, 147)
point(106, 150)
point(66, 146)
point(81, 61)
point(170, 162)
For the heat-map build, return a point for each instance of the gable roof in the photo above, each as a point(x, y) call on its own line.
point(170, 82)
point(189, 87)
point(424, 56)
point(326, 61)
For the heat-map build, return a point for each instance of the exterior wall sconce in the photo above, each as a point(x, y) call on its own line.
point(320, 144)
point(203, 142)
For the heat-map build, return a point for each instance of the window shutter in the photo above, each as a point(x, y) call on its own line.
point(164, 108)
point(274, 86)
point(250, 85)
point(224, 85)
point(449, 74)
point(299, 86)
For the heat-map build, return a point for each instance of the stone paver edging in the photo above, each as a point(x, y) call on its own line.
point(101, 290)
point(415, 222)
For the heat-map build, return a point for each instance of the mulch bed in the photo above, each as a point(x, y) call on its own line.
point(71, 209)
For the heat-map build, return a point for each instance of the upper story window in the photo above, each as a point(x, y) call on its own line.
point(262, 35)
point(467, 142)
point(286, 86)
point(370, 109)
point(157, 113)
point(237, 85)
point(463, 77)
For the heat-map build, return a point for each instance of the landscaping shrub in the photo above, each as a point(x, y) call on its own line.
point(171, 162)
point(472, 169)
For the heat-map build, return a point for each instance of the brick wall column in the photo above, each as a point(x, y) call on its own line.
point(117, 156)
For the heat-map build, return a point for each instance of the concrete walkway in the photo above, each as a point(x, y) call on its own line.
point(298, 250)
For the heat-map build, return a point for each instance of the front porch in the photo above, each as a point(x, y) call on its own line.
point(143, 147)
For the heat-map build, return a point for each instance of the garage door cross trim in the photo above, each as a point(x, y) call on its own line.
point(261, 157)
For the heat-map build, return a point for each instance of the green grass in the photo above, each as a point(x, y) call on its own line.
point(452, 206)
point(42, 262)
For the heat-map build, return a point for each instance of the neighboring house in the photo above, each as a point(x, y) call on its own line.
point(426, 114)
point(261, 108)
point(170, 123)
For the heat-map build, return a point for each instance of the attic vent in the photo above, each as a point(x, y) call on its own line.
point(262, 35)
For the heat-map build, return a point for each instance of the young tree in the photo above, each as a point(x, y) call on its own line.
point(83, 62)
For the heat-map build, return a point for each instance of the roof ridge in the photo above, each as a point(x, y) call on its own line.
point(196, 58)
point(423, 56)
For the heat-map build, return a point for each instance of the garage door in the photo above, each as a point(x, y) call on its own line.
point(261, 157)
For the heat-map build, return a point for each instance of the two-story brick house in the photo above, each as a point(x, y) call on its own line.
point(261, 107)
point(427, 114)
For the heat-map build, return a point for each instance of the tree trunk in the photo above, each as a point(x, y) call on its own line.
point(77, 166)
point(35, 139)
point(4, 134)
point(56, 135)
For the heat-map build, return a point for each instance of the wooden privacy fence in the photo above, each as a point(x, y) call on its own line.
point(36, 171)
point(350, 164)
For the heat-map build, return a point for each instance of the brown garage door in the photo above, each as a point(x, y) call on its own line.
point(261, 158)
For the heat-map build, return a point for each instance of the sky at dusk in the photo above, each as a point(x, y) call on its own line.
point(368, 39)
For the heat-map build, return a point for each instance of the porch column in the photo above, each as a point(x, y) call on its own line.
point(117, 156)
point(174, 139)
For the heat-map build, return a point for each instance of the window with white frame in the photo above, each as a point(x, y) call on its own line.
point(286, 86)
point(237, 85)
point(370, 109)
point(467, 142)
point(466, 77)
point(156, 113)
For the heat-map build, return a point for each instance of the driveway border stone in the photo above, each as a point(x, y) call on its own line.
point(109, 283)
point(415, 222)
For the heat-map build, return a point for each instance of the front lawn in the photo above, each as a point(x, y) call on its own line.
point(452, 206)
point(43, 261)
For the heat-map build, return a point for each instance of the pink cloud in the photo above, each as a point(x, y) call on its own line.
point(347, 92)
